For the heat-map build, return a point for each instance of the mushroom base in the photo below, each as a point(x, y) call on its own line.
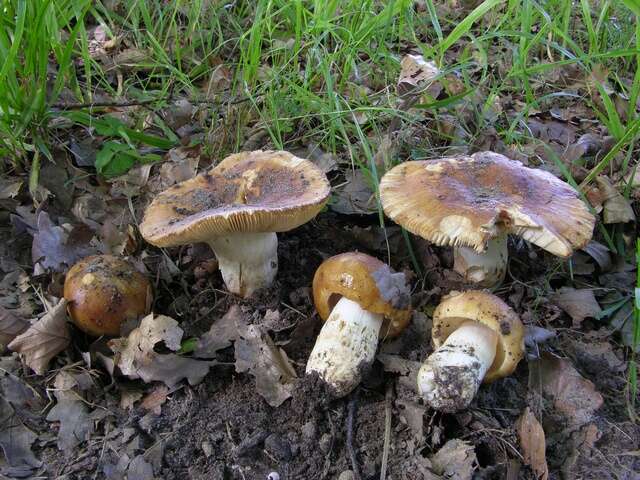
point(486, 269)
point(248, 261)
point(451, 376)
point(346, 346)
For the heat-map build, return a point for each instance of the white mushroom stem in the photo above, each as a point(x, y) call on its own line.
point(486, 269)
point(451, 376)
point(346, 346)
point(248, 261)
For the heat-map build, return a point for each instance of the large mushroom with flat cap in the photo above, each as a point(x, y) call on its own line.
point(473, 202)
point(361, 300)
point(237, 207)
point(478, 338)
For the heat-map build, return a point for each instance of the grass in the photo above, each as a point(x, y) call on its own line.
point(321, 71)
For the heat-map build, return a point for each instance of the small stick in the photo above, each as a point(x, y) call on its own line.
point(350, 420)
point(388, 398)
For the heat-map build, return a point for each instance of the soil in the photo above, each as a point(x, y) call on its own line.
point(223, 429)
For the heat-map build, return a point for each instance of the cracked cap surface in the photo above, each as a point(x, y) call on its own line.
point(367, 281)
point(489, 310)
point(467, 200)
point(259, 191)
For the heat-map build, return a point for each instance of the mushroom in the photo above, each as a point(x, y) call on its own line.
point(104, 292)
point(473, 203)
point(361, 300)
point(236, 207)
point(478, 338)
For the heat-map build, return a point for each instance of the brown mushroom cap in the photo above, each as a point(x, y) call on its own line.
point(260, 191)
point(367, 281)
point(466, 201)
point(487, 309)
point(103, 292)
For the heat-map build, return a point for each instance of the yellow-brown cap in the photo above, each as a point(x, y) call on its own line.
point(252, 192)
point(367, 281)
point(465, 201)
point(103, 292)
point(487, 309)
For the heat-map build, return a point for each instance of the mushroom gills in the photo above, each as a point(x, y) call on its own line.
point(451, 376)
point(248, 261)
point(346, 346)
point(486, 269)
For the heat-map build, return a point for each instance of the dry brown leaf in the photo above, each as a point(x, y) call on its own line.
point(10, 327)
point(9, 188)
point(221, 333)
point(356, 197)
point(573, 396)
point(417, 74)
point(600, 254)
point(72, 415)
point(579, 304)
point(532, 440)
point(155, 399)
point(128, 398)
point(44, 339)
point(136, 357)
point(456, 460)
point(616, 208)
point(256, 353)
point(57, 248)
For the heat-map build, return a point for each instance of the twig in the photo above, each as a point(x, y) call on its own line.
point(353, 401)
point(388, 398)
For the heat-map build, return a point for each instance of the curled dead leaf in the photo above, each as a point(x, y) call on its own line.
point(256, 353)
point(615, 208)
point(44, 339)
point(456, 460)
point(578, 303)
point(573, 396)
point(10, 327)
point(417, 74)
point(532, 441)
point(221, 333)
point(136, 358)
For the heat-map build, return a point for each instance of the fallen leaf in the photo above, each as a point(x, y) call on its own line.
point(412, 414)
point(456, 460)
point(16, 440)
point(578, 304)
point(128, 398)
point(136, 357)
point(356, 197)
point(256, 353)
point(600, 253)
point(417, 74)
point(532, 440)
point(57, 248)
point(220, 334)
point(139, 469)
point(155, 399)
point(534, 335)
point(616, 208)
point(75, 422)
point(9, 188)
point(326, 162)
point(10, 327)
point(573, 396)
point(44, 339)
